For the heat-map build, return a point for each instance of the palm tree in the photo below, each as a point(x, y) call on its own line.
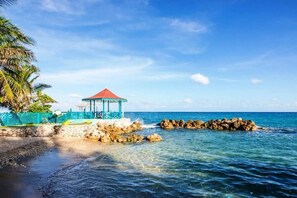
point(13, 51)
point(13, 56)
point(28, 91)
point(23, 78)
point(18, 90)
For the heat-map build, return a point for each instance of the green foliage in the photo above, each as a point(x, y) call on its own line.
point(42, 103)
point(14, 58)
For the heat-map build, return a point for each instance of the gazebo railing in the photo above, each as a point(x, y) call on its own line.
point(112, 115)
point(108, 115)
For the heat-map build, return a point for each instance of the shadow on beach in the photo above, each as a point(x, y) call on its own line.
point(27, 163)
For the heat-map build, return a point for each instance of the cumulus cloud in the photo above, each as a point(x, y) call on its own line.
point(188, 100)
point(200, 79)
point(188, 26)
point(256, 81)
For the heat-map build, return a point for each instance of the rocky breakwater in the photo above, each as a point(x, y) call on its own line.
point(113, 133)
point(233, 124)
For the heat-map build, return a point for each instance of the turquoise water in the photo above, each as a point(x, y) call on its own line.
point(188, 163)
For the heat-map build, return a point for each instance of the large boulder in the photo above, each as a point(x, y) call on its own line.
point(154, 138)
point(181, 123)
point(166, 124)
point(134, 138)
point(189, 124)
point(225, 126)
point(105, 139)
point(94, 135)
point(136, 126)
point(198, 124)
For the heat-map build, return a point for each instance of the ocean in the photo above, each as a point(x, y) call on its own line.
point(187, 163)
point(191, 163)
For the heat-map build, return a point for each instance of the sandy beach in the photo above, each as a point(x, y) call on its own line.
point(15, 150)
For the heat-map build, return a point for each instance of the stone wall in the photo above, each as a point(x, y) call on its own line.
point(28, 131)
point(75, 130)
point(47, 130)
point(72, 130)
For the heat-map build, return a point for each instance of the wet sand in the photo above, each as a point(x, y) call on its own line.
point(27, 163)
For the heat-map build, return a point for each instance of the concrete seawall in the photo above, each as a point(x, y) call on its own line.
point(49, 130)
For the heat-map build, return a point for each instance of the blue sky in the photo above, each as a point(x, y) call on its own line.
point(198, 55)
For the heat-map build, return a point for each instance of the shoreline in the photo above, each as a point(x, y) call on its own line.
point(16, 150)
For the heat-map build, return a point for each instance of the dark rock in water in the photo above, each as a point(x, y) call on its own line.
point(224, 124)
point(181, 123)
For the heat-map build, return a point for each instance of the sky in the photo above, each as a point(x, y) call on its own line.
point(169, 55)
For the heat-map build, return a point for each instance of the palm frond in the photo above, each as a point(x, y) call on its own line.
point(6, 91)
point(41, 86)
point(4, 3)
point(11, 33)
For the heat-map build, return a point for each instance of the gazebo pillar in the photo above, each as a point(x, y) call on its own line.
point(90, 106)
point(103, 109)
point(120, 108)
point(94, 107)
point(107, 106)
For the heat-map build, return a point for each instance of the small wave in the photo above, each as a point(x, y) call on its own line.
point(150, 126)
point(281, 130)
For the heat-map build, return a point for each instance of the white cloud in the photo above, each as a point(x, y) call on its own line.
point(58, 6)
point(117, 69)
point(226, 80)
point(74, 95)
point(200, 79)
point(77, 7)
point(189, 26)
point(55, 44)
point(256, 81)
point(188, 100)
point(156, 77)
point(186, 50)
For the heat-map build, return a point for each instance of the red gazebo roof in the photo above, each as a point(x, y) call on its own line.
point(105, 94)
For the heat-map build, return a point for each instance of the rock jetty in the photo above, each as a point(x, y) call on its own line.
point(112, 133)
point(233, 124)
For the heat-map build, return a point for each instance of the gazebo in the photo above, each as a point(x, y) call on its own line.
point(105, 97)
